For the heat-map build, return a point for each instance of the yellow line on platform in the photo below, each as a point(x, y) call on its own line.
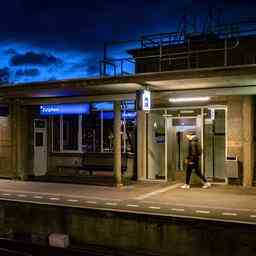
point(158, 191)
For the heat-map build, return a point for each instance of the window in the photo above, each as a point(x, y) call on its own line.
point(108, 130)
point(56, 133)
point(93, 131)
point(70, 132)
point(128, 142)
point(65, 133)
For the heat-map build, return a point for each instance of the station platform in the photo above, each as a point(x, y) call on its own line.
point(221, 202)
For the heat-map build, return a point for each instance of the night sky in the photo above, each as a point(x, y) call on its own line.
point(61, 39)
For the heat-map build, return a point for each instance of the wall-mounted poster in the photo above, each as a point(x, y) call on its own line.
point(159, 136)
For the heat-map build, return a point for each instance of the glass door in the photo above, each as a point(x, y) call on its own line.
point(180, 123)
point(156, 147)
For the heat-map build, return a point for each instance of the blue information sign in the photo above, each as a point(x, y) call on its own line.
point(109, 105)
point(108, 115)
point(58, 109)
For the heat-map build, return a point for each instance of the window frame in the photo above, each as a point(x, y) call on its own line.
point(79, 137)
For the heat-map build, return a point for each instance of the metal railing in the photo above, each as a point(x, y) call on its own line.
point(177, 50)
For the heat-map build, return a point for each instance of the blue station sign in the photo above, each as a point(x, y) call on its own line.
point(59, 109)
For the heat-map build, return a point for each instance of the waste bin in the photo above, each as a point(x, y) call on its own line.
point(231, 166)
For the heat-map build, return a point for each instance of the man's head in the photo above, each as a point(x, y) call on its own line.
point(191, 136)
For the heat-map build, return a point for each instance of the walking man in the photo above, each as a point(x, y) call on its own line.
point(192, 161)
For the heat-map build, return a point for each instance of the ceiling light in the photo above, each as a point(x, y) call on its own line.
point(187, 111)
point(189, 99)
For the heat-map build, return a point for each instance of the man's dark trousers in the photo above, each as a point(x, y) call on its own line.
point(190, 168)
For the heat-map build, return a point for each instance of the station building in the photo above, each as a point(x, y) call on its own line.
point(81, 129)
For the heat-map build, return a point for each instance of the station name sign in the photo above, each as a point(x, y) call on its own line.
point(59, 109)
point(146, 100)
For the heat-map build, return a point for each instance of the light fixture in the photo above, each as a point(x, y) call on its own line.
point(189, 99)
point(187, 111)
point(167, 115)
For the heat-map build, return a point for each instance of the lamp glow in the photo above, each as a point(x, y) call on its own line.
point(187, 111)
point(189, 99)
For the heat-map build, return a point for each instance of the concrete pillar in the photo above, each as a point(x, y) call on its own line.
point(248, 147)
point(235, 127)
point(19, 140)
point(13, 120)
point(141, 145)
point(22, 142)
point(117, 143)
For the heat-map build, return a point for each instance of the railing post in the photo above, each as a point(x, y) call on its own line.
point(104, 59)
point(160, 57)
point(225, 53)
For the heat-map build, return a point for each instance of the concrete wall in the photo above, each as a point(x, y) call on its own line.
point(5, 148)
point(141, 145)
point(235, 126)
point(14, 142)
point(124, 231)
point(208, 149)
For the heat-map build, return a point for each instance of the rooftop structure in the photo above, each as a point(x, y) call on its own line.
point(218, 46)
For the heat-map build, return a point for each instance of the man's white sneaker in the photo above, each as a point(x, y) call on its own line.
point(207, 185)
point(185, 186)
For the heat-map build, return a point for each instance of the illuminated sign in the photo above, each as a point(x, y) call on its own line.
point(128, 105)
point(129, 115)
point(146, 100)
point(212, 114)
point(125, 115)
point(109, 105)
point(189, 99)
point(58, 109)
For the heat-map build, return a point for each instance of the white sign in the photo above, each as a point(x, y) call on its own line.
point(208, 121)
point(212, 114)
point(146, 100)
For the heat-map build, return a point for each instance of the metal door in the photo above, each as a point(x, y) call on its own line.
point(40, 147)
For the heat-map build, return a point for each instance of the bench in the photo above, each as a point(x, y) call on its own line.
point(90, 168)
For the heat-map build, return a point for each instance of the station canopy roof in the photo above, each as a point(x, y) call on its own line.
point(240, 80)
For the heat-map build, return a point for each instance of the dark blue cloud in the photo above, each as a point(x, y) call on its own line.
point(88, 65)
point(10, 51)
point(31, 72)
point(59, 35)
point(33, 58)
point(4, 75)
